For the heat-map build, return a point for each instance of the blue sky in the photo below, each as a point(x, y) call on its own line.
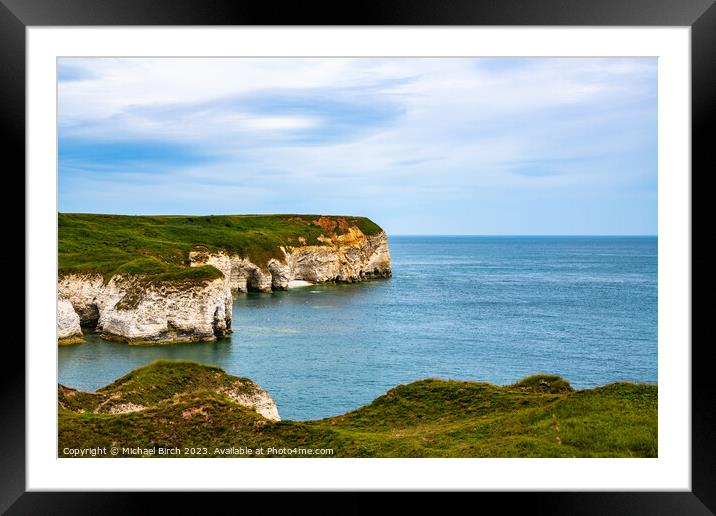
point(421, 145)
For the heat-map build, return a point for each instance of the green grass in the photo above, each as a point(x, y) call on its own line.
point(158, 246)
point(540, 416)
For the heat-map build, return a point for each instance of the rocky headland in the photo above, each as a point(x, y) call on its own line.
point(166, 380)
point(146, 280)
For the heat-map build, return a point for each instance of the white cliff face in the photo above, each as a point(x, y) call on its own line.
point(240, 274)
point(82, 290)
point(68, 323)
point(351, 257)
point(140, 312)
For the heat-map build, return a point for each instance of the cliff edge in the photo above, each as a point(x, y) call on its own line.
point(167, 279)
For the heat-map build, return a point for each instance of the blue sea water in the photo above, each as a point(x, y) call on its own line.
point(475, 308)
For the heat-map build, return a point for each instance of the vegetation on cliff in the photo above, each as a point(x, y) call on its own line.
point(158, 246)
point(540, 416)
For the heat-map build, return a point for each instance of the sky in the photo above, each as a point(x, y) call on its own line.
point(482, 146)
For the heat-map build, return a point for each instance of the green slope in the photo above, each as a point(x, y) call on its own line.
point(541, 416)
point(158, 246)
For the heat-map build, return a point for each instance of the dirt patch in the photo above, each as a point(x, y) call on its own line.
point(343, 225)
point(329, 225)
point(68, 392)
point(190, 413)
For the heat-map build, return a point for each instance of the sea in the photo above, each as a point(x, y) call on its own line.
point(482, 308)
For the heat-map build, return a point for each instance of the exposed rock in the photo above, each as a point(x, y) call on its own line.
point(281, 274)
point(145, 313)
point(251, 395)
point(349, 257)
point(126, 408)
point(240, 274)
point(82, 291)
point(68, 323)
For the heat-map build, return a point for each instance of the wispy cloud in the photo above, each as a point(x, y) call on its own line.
point(414, 161)
point(484, 145)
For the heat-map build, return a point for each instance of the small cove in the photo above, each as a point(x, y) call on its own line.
point(474, 308)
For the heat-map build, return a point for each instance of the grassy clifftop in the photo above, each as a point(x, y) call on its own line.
point(158, 246)
point(540, 416)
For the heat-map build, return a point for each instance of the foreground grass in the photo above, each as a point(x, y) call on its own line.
point(540, 416)
point(158, 246)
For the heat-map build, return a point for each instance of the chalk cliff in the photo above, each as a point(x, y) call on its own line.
point(131, 309)
point(350, 257)
point(142, 312)
point(68, 323)
point(82, 291)
point(137, 310)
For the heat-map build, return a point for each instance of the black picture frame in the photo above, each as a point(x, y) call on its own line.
point(700, 15)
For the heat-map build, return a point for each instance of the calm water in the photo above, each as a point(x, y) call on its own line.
point(474, 308)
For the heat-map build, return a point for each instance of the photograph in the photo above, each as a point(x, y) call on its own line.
point(405, 248)
point(357, 257)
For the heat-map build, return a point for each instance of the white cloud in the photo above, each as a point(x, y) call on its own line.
point(275, 122)
point(446, 127)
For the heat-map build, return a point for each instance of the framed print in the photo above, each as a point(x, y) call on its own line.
point(417, 250)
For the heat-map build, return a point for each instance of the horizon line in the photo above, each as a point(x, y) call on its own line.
point(612, 235)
